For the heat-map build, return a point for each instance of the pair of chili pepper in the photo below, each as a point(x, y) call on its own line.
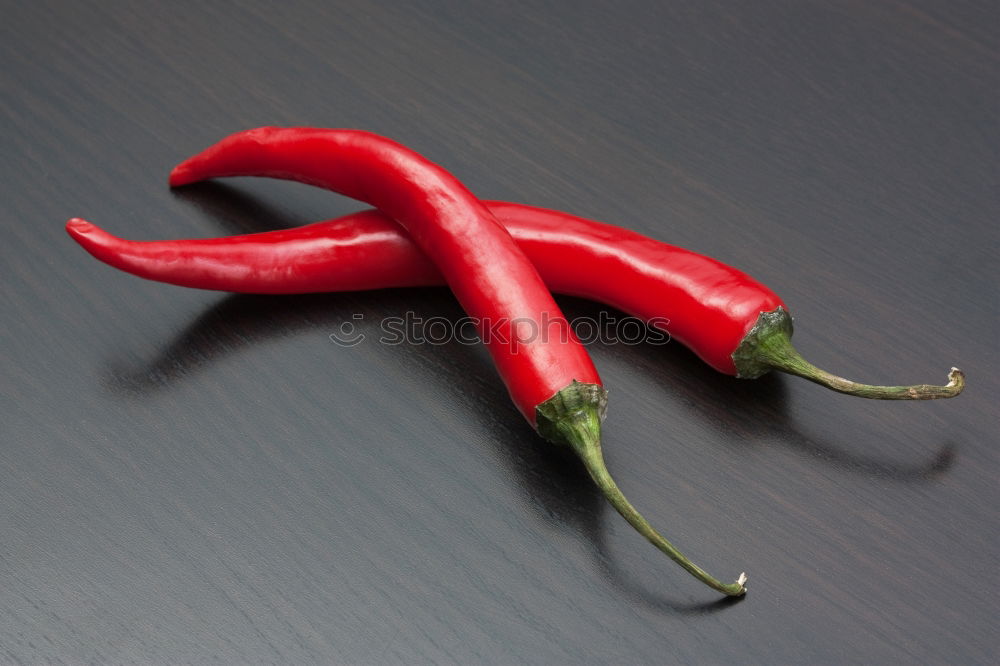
point(500, 260)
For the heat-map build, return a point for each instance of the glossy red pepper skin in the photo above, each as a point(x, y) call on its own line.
point(702, 303)
point(547, 371)
point(494, 282)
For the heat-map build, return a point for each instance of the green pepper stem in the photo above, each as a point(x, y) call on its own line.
point(593, 459)
point(794, 364)
point(768, 345)
point(573, 417)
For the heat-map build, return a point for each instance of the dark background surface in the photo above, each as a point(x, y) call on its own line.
point(191, 476)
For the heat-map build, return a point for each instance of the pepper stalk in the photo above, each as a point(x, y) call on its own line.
point(572, 417)
point(768, 346)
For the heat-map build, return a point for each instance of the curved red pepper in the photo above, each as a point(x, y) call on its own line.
point(549, 376)
point(492, 279)
point(712, 308)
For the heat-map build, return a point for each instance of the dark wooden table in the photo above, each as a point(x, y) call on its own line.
point(188, 476)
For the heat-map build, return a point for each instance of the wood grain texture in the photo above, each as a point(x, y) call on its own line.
point(191, 477)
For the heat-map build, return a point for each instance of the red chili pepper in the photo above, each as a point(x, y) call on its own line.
point(734, 323)
point(550, 377)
